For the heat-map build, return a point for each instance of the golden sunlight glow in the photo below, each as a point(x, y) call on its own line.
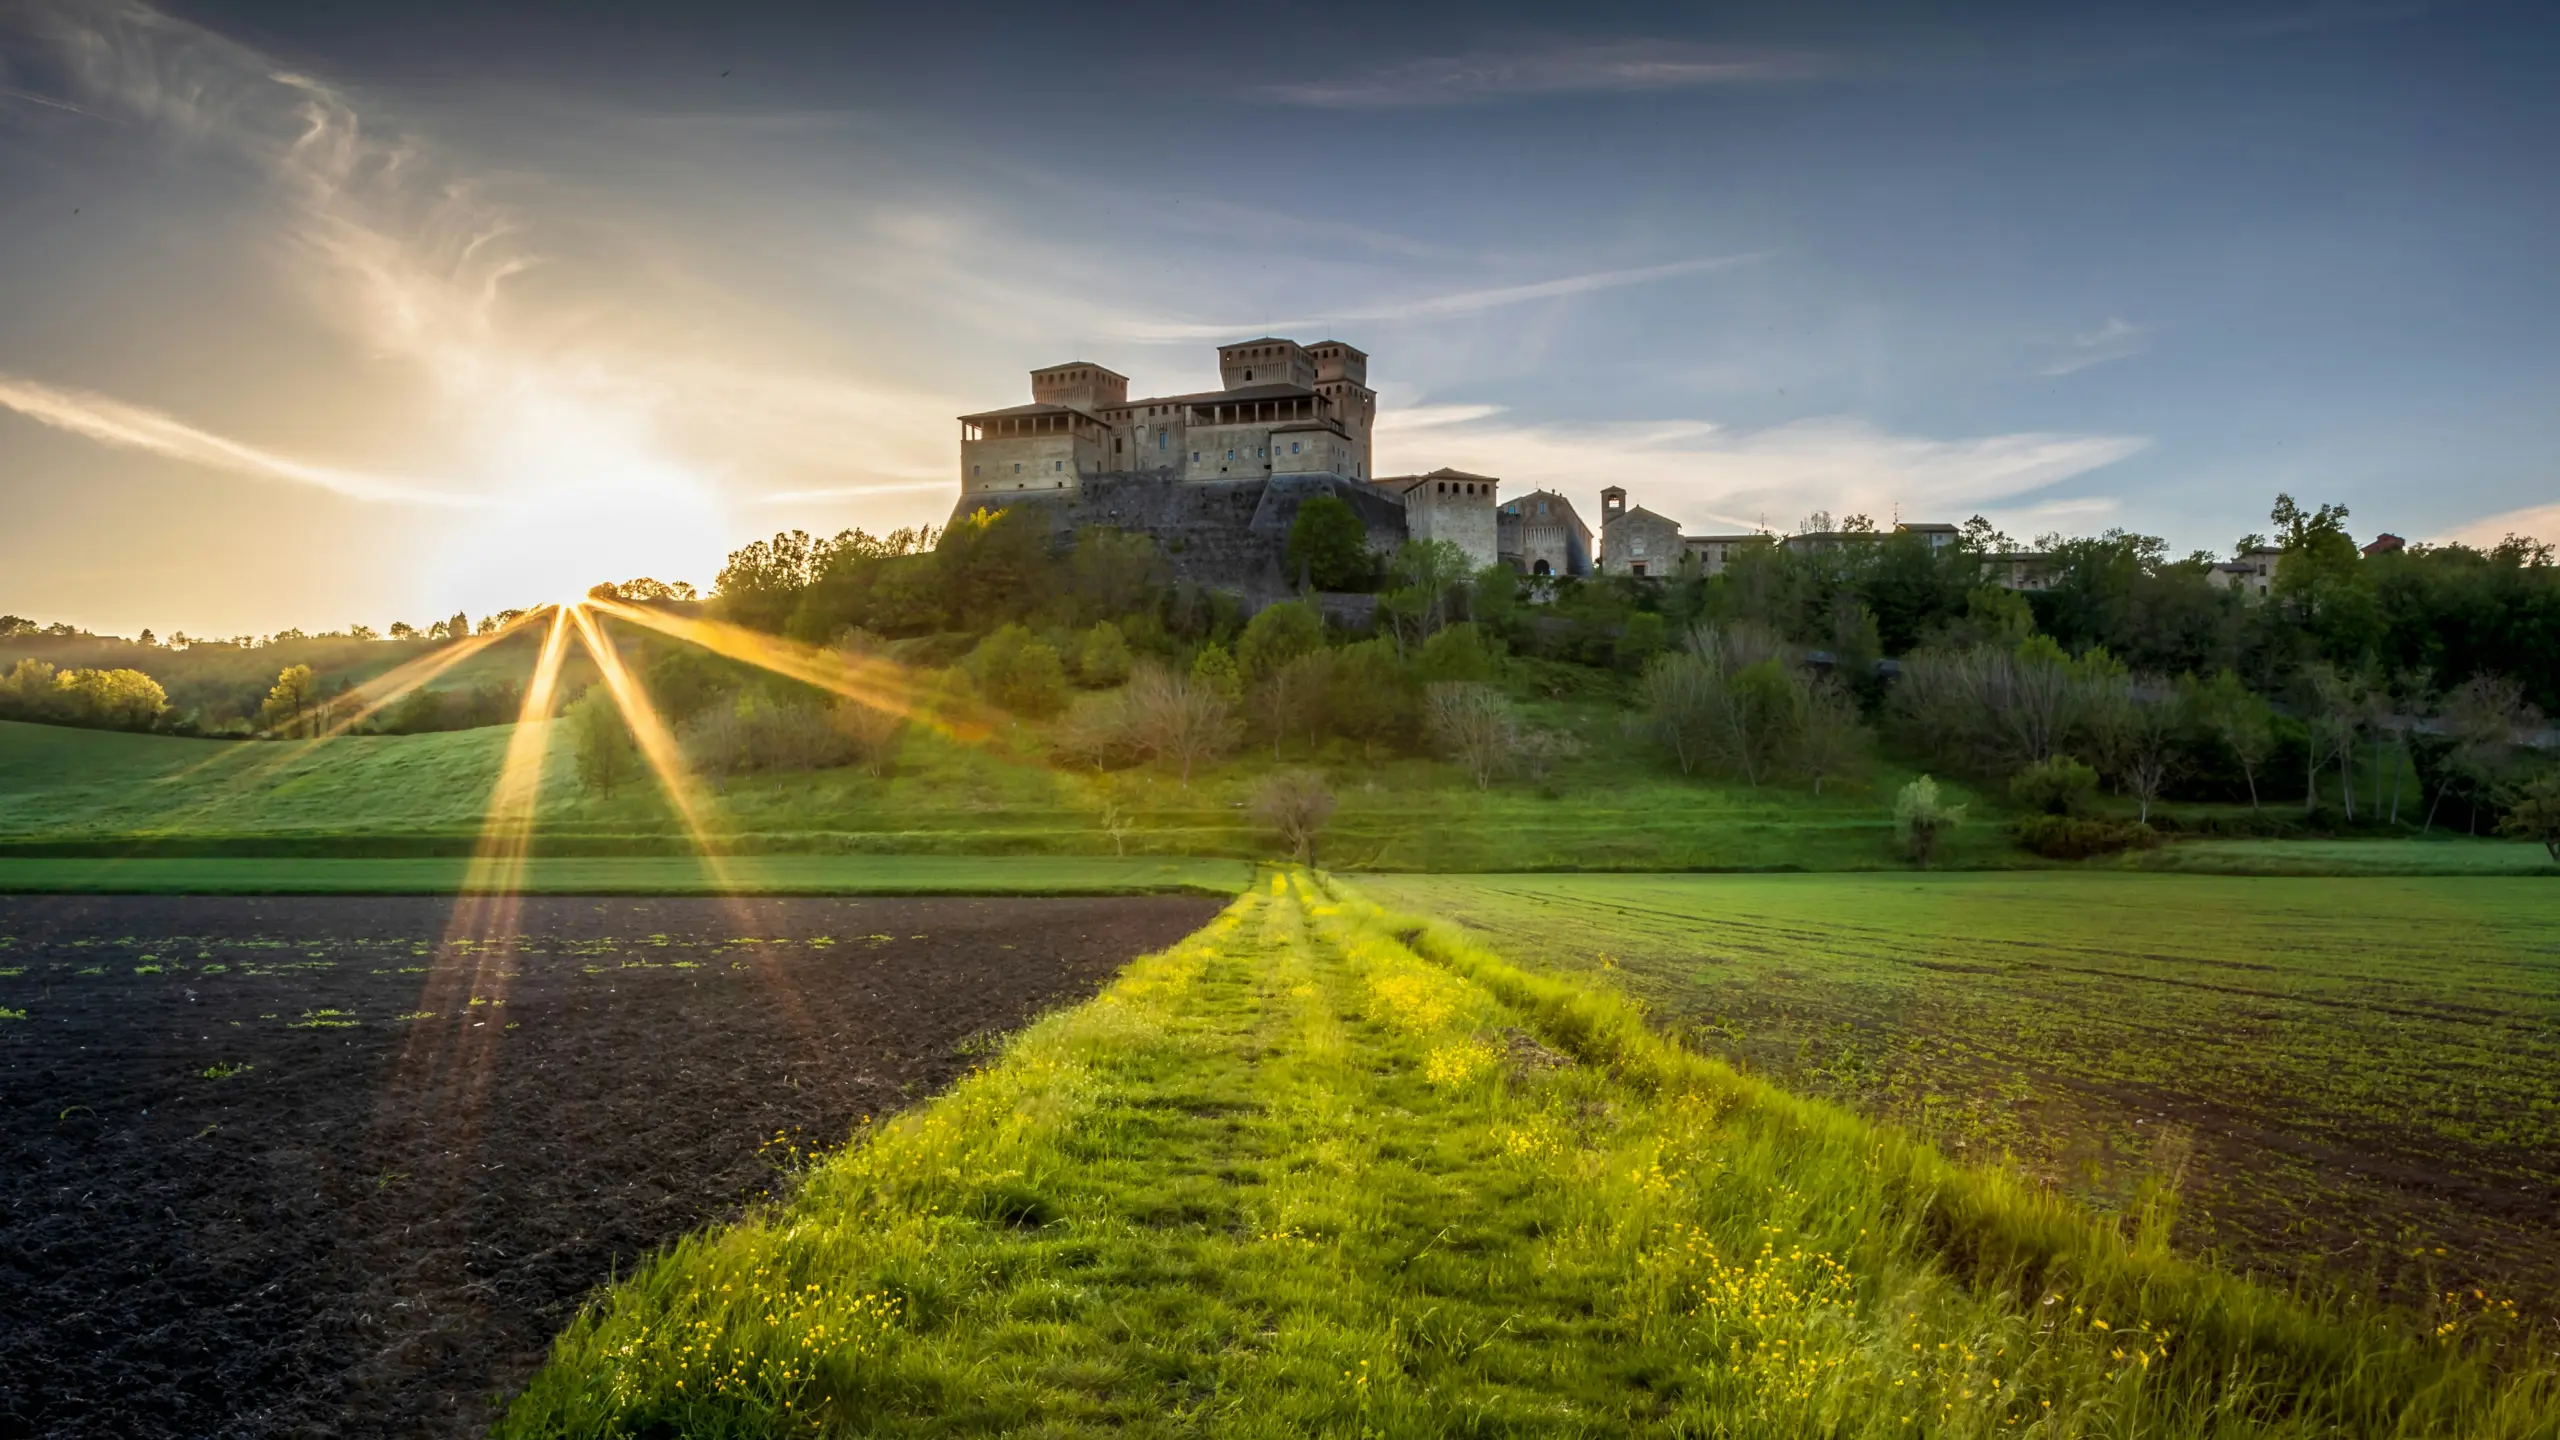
point(657, 744)
point(582, 490)
point(507, 832)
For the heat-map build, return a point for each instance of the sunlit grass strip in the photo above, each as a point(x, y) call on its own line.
point(1298, 1176)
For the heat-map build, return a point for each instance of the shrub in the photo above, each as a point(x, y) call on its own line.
point(1017, 670)
point(2072, 837)
point(1921, 819)
point(1457, 652)
point(1296, 803)
point(871, 734)
point(606, 757)
point(2058, 786)
point(1276, 635)
point(1102, 657)
point(1640, 638)
point(757, 733)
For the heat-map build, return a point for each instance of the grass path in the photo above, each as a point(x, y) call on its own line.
point(1324, 1170)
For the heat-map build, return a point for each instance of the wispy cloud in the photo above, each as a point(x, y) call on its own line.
point(1442, 307)
point(132, 427)
point(1564, 69)
point(1703, 474)
point(2118, 339)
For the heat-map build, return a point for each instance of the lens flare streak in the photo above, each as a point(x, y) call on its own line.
point(881, 684)
point(657, 744)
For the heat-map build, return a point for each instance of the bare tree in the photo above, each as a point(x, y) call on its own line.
point(2148, 748)
point(1679, 700)
point(1297, 803)
point(1475, 725)
point(1829, 742)
point(1176, 721)
point(2482, 716)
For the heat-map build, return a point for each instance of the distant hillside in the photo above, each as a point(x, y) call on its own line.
point(62, 781)
point(216, 684)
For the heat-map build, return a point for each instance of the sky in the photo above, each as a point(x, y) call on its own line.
point(316, 312)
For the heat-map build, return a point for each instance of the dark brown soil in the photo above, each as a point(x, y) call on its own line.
point(376, 1227)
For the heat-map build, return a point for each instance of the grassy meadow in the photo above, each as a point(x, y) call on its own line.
point(1326, 1169)
point(1615, 806)
point(2347, 1081)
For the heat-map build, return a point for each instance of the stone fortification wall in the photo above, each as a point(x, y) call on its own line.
point(1229, 534)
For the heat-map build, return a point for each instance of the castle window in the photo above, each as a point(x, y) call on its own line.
point(973, 469)
point(1057, 464)
point(1195, 457)
point(1231, 454)
point(1248, 374)
point(1293, 447)
point(1017, 467)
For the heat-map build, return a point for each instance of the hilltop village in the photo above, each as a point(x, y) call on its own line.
point(1216, 477)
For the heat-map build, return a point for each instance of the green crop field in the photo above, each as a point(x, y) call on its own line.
point(2357, 1080)
point(1324, 1169)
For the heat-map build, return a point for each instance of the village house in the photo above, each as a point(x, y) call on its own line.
point(1636, 541)
point(1539, 534)
point(1450, 505)
point(2253, 574)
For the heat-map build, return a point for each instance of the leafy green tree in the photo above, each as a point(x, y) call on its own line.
point(2536, 813)
point(1017, 670)
point(1922, 820)
point(993, 566)
point(1111, 573)
point(1371, 699)
point(1328, 545)
point(1102, 657)
point(28, 692)
point(289, 702)
point(1214, 670)
point(607, 758)
point(2242, 720)
point(1641, 636)
point(1276, 635)
point(111, 699)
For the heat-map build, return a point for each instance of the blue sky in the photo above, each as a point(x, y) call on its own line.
point(312, 313)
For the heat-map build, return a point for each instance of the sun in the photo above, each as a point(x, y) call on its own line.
point(581, 497)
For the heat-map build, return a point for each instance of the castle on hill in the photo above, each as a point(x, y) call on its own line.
point(1216, 477)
